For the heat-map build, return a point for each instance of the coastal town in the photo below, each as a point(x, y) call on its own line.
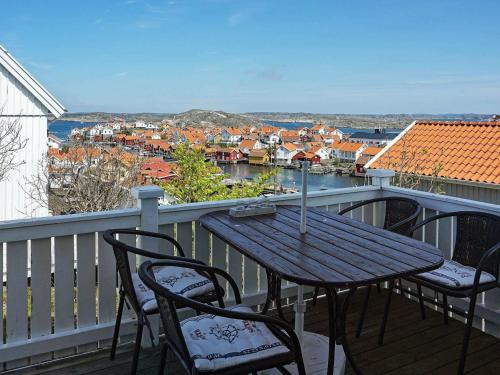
point(327, 149)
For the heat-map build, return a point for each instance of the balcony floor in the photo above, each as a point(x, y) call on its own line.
point(412, 346)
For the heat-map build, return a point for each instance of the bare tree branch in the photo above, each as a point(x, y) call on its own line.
point(84, 179)
point(11, 142)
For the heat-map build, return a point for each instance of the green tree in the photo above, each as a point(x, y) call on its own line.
point(197, 180)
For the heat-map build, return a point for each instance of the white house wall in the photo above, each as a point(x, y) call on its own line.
point(17, 103)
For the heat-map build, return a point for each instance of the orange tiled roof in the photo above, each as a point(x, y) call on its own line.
point(247, 143)
point(457, 150)
point(289, 146)
point(318, 126)
point(290, 133)
point(269, 129)
point(362, 160)
point(372, 151)
point(258, 153)
point(234, 131)
point(348, 146)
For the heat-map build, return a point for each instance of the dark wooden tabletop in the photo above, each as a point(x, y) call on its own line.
point(336, 251)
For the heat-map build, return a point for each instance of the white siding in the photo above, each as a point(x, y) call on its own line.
point(16, 100)
point(477, 193)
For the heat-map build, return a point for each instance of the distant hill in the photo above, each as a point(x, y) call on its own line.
point(206, 118)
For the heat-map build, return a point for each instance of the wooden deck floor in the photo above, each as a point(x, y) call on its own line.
point(412, 346)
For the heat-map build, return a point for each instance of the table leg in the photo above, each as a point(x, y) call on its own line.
point(270, 291)
point(338, 306)
point(300, 309)
point(274, 294)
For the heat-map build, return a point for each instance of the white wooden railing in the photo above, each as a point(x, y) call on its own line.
point(60, 281)
point(60, 288)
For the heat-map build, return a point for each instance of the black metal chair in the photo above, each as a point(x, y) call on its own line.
point(400, 215)
point(141, 299)
point(223, 341)
point(473, 268)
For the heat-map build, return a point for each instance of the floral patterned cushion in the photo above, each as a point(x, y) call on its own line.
point(455, 275)
point(215, 342)
point(183, 281)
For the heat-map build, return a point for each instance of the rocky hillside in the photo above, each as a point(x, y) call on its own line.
point(205, 118)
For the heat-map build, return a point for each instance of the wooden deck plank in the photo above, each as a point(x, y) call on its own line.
point(412, 345)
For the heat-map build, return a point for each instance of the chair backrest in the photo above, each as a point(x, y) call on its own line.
point(476, 233)
point(399, 209)
point(166, 301)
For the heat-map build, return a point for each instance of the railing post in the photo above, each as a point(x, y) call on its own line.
point(147, 201)
point(381, 177)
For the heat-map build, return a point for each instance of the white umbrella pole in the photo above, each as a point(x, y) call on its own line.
point(303, 201)
point(300, 306)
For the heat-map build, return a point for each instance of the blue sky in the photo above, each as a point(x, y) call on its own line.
point(331, 56)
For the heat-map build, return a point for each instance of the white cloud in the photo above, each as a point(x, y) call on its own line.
point(121, 74)
point(235, 19)
point(40, 65)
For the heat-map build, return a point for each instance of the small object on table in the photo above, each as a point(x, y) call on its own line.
point(252, 210)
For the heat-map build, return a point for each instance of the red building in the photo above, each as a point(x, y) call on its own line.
point(306, 156)
point(228, 155)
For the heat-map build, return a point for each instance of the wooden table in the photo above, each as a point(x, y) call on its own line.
point(335, 253)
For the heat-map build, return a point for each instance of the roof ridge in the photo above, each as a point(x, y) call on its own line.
point(436, 122)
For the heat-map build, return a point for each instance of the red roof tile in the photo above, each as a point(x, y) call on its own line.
point(456, 150)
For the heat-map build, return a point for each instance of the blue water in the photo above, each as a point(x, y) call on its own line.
point(62, 128)
point(292, 178)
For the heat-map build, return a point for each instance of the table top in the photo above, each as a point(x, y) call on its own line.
point(336, 251)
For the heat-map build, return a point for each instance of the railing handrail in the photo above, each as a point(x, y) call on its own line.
point(443, 203)
point(192, 211)
point(53, 226)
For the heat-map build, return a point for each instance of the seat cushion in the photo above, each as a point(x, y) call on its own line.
point(215, 342)
point(455, 275)
point(183, 281)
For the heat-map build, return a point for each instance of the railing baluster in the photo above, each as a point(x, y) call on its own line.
point(235, 267)
point(219, 256)
point(17, 296)
point(368, 214)
point(250, 276)
point(445, 240)
point(431, 228)
point(202, 244)
point(64, 284)
point(165, 246)
point(41, 292)
point(86, 284)
point(185, 237)
point(131, 240)
point(107, 284)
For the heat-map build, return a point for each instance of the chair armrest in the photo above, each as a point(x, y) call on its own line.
point(357, 205)
point(483, 262)
point(111, 234)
